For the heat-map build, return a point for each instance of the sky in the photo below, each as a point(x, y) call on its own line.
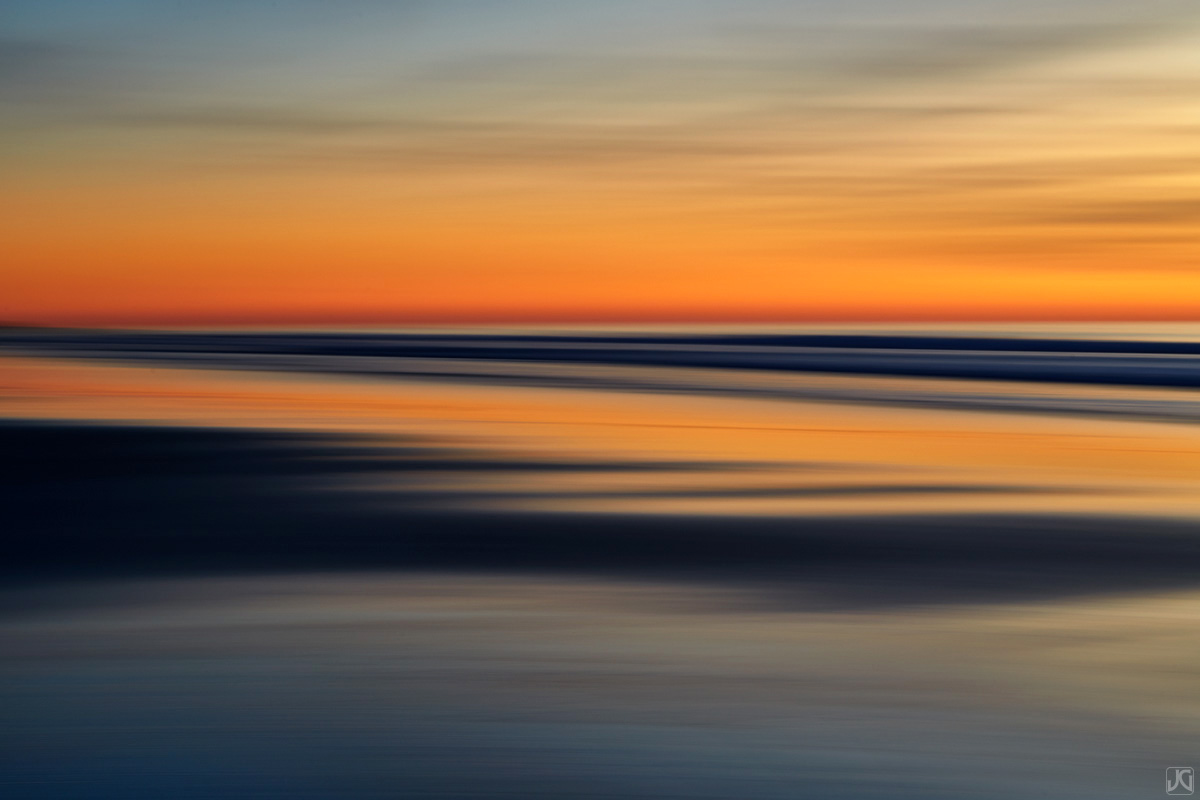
point(458, 161)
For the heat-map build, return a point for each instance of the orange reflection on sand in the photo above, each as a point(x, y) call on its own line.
point(737, 455)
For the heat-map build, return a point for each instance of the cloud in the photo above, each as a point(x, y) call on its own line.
point(317, 139)
point(32, 70)
point(266, 119)
point(1184, 211)
point(949, 54)
point(950, 123)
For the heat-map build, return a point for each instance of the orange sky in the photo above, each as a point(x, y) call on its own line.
point(1027, 165)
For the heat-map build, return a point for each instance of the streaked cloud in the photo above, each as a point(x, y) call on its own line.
point(867, 132)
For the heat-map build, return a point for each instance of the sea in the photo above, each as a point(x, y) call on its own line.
point(740, 562)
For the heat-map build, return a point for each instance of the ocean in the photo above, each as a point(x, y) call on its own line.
point(860, 561)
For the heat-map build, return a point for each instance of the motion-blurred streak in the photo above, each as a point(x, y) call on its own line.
point(190, 507)
point(1006, 374)
point(1101, 362)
